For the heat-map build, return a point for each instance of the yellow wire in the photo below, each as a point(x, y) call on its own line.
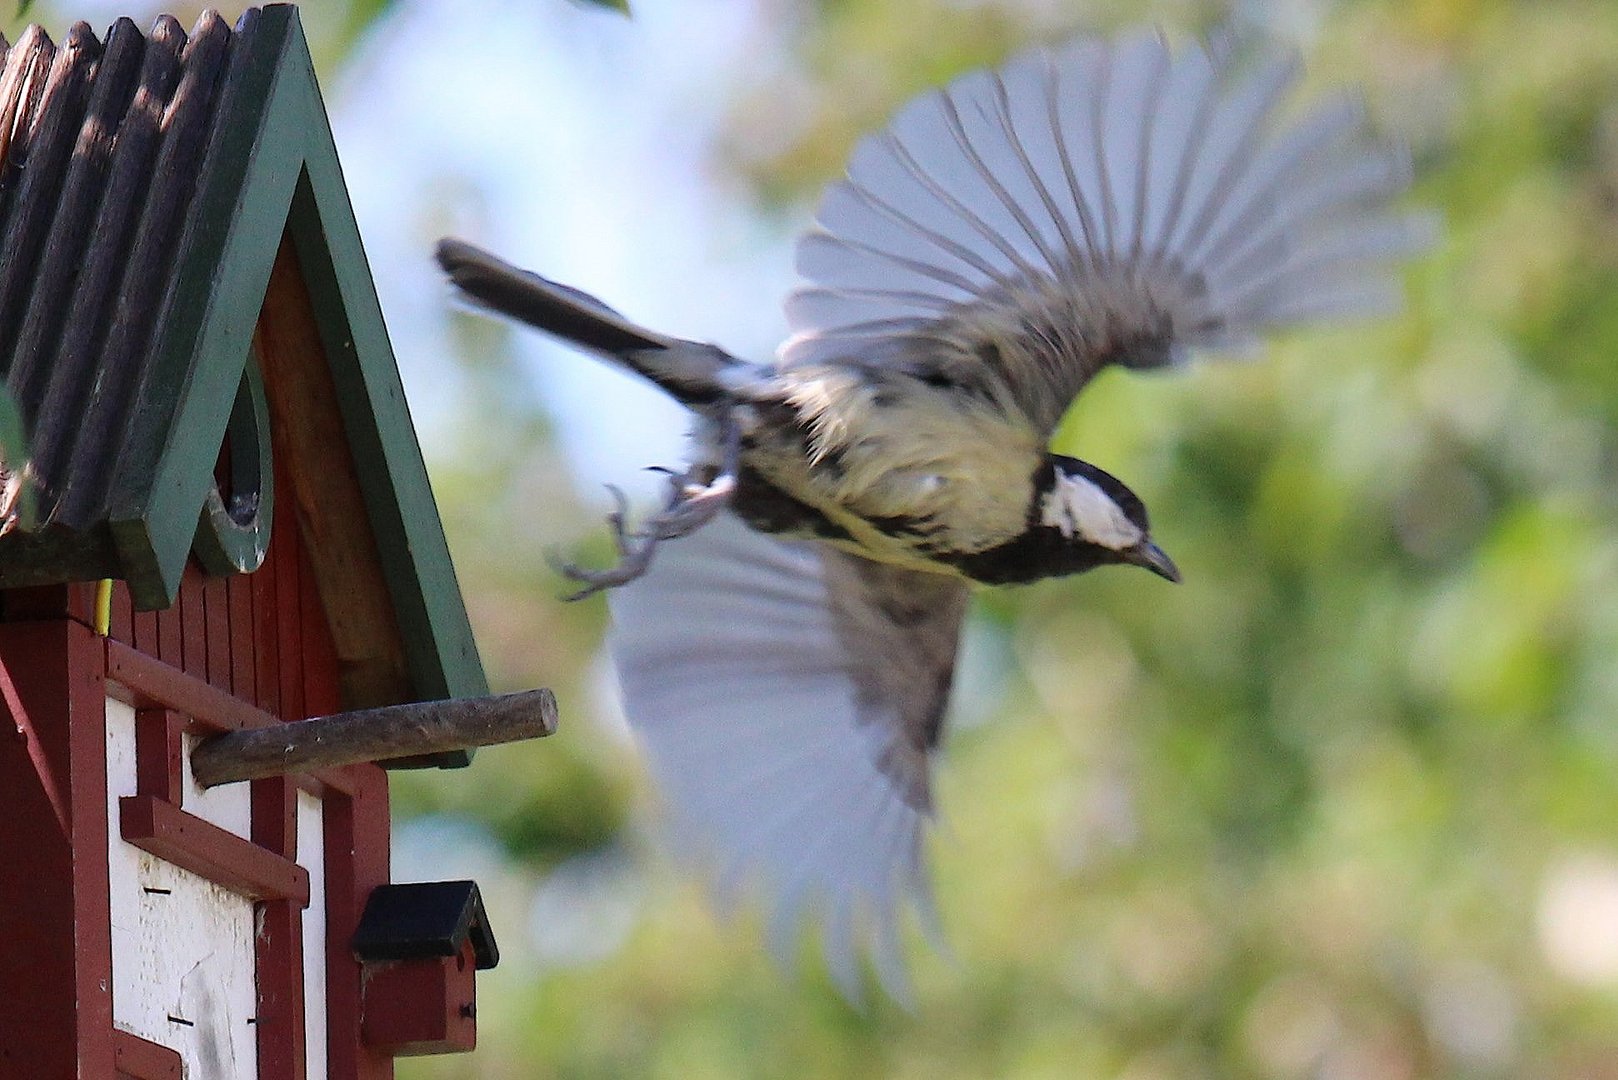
point(104, 606)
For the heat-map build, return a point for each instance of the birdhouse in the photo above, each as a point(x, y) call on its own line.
point(215, 524)
point(421, 943)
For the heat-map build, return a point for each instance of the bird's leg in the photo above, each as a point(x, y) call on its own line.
point(692, 503)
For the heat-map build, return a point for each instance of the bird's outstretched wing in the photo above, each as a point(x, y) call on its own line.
point(790, 698)
point(1107, 202)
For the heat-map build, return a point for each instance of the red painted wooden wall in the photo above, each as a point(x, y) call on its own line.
point(261, 638)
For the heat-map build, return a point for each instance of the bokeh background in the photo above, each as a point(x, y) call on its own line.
point(1342, 806)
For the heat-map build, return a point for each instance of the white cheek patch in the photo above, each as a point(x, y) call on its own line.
point(1080, 508)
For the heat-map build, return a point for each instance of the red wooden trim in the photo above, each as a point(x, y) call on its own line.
point(158, 684)
point(239, 589)
point(55, 927)
point(216, 617)
point(275, 815)
point(22, 726)
point(170, 640)
point(141, 1059)
point(158, 746)
point(205, 849)
point(322, 678)
point(280, 1025)
point(290, 645)
point(356, 835)
point(153, 684)
point(121, 621)
point(193, 622)
point(267, 677)
point(145, 627)
point(74, 601)
point(280, 1028)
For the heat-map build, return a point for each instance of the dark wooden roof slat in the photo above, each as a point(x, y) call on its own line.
point(61, 378)
point(61, 112)
point(125, 358)
point(95, 300)
point(26, 66)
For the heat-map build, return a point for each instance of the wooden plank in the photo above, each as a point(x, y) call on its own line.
point(323, 683)
point(145, 632)
point(161, 686)
point(216, 618)
point(440, 651)
point(170, 636)
point(154, 684)
point(266, 633)
point(75, 600)
point(193, 623)
point(208, 851)
point(20, 89)
point(55, 383)
point(324, 489)
point(121, 625)
point(55, 936)
point(356, 839)
point(28, 222)
point(243, 683)
point(141, 1059)
point(100, 280)
point(279, 1028)
point(289, 622)
point(280, 947)
point(159, 767)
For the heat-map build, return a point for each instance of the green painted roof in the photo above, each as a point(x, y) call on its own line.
point(162, 173)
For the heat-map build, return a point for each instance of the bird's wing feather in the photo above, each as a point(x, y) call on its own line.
point(790, 698)
point(1107, 202)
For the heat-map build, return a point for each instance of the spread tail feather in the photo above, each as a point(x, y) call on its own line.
point(556, 309)
point(692, 372)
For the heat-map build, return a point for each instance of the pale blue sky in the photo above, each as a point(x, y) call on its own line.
point(577, 143)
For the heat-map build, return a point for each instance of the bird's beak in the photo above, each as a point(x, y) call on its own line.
point(1154, 558)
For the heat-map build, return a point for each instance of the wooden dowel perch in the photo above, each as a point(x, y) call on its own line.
point(393, 731)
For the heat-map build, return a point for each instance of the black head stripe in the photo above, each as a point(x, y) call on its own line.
point(1115, 488)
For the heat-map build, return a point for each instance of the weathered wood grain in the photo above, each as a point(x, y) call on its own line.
point(379, 735)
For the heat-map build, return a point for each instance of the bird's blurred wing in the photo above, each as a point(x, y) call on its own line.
point(790, 698)
point(1107, 202)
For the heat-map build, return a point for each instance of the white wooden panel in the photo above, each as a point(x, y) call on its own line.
point(229, 806)
point(312, 857)
point(182, 947)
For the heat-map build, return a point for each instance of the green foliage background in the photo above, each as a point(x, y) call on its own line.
point(1342, 806)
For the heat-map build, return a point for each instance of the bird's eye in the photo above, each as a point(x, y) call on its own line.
point(939, 380)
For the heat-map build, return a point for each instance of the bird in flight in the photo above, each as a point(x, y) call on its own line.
point(786, 624)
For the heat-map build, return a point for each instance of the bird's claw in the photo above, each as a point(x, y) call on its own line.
point(690, 505)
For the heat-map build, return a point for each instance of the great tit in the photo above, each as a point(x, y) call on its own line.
point(788, 659)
